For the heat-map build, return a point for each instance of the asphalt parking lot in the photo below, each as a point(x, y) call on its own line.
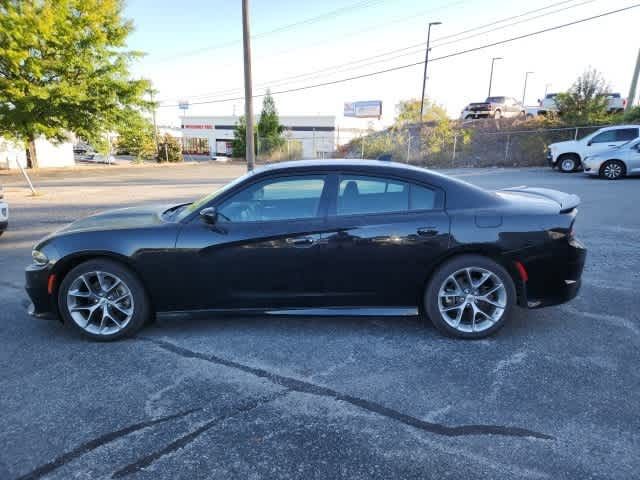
point(556, 394)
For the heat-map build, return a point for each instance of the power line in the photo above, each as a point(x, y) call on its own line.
point(307, 21)
point(351, 64)
point(402, 67)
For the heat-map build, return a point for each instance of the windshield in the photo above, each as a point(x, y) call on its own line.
point(188, 209)
point(495, 100)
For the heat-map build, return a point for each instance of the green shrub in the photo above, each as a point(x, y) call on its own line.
point(169, 149)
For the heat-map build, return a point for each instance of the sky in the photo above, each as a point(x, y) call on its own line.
point(194, 51)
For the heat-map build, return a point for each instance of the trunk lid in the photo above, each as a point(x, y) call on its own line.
point(565, 202)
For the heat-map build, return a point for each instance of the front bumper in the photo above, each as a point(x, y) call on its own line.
point(592, 166)
point(477, 114)
point(550, 159)
point(43, 305)
point(4, 216)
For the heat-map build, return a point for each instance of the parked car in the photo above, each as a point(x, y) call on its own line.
point(568, 156)
point(494, 107)
point(616, 162)
point(4, 212)
point(316, 234)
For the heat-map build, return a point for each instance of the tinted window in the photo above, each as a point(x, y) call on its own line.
point(626, 134)
point(363, 195)
point(609, 136)
point(495, 100)
point(276, 199)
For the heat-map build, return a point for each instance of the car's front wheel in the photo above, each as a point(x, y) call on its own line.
point(103, 300)
point(568, 163)
point(612, 170)
point(469, 296)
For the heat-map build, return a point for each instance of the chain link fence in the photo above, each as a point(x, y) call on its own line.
point(465, 145)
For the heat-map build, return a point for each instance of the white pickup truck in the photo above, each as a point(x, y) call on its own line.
point(568, 156)
point(615, 104)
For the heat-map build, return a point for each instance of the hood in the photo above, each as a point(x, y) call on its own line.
point(122, 218)
point(560, 145)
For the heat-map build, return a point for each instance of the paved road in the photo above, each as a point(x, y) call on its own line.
point(556, 394)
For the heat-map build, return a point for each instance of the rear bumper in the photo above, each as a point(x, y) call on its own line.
point(42, 304)
point(557, 282)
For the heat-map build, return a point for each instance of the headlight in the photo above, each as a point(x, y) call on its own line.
point(39, 258)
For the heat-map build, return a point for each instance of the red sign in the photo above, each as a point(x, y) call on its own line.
point(198, 127)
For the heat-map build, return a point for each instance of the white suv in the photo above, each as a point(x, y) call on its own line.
point(568, 156)
point(4, 213)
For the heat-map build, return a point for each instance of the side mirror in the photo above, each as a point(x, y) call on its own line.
point(209, 215)
point(589, 143)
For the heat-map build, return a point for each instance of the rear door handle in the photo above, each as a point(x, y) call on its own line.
point(427, 231)
point(301, 241)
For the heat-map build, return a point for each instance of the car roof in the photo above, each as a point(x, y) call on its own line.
point(617, 127)
point(460, 194)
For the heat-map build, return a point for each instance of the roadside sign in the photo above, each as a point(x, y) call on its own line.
point(367, 109)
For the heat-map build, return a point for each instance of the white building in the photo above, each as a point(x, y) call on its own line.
point(50, 154)
point(316, 135)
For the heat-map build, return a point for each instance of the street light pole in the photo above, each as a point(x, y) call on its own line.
point(524, 90)
point(493, 60)
point(248, 90)
point(426, 62)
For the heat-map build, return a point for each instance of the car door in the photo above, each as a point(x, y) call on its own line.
point(263, 250)
point(382, 234)
point(633, 159)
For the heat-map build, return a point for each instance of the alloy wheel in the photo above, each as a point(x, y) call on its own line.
point(472, 299)
point(100, 303)
point(612, 170)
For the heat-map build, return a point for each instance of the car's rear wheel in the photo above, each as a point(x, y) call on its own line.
point(103, 300)
point(469, 296)
point(613, 170)
point(568, 163)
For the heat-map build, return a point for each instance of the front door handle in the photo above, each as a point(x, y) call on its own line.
point(427, 231)
point(301, 241)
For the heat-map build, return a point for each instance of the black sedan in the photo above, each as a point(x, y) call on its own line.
point(329, 236)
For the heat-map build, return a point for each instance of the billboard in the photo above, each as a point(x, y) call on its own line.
point(368, 109)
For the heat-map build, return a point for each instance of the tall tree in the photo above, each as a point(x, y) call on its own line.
point(408, 111)
point(64, 68)
point(585, 101)
point(269, 128)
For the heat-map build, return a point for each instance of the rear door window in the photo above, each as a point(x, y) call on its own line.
point(360, 195)
point(626, 134)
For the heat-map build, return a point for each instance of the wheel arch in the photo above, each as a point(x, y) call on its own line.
point(622, 162)
point(69, 262)
point(491, 252)
point(571, 154)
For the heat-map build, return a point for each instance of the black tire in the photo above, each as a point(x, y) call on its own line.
point(613, 170)
point(432, 301)
point(141, 305)
point(568, 163)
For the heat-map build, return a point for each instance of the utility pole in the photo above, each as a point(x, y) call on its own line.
point(524, 90)
point(155, 126)
point(248, 90)
point(493, 60)
point(634, 83)
point(426, 62)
